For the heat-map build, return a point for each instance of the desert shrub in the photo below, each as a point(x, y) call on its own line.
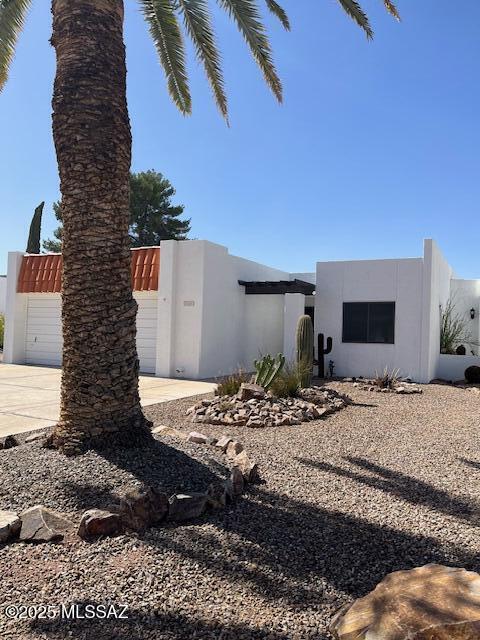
point(230, 385)
point(472, 374)
point(288, 381)
point(2, 329)
point(453, 329)
point(387, 379)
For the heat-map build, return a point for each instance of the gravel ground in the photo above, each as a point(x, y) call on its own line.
point(389, 483)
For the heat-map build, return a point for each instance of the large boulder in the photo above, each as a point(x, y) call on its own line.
point(428, 603)
point(96, 522)
point(10, 525)
point(40, 524)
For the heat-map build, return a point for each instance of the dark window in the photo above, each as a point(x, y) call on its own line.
point(369, 322)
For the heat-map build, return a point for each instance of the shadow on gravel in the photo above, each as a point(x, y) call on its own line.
point(403, 486)
point(471, 463)
point(141, 626)
point(294, 552)
point(158, 465)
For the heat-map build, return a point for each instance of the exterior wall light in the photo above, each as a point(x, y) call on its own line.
point(472, 313)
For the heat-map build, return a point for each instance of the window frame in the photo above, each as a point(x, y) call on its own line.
point(368, 303)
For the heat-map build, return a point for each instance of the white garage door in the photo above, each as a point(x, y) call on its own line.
point(146, 329)
point(44, 330)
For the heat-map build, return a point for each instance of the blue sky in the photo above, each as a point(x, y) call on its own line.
point(375, 147)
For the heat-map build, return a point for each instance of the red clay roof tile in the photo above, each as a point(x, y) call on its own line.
point(43, 273)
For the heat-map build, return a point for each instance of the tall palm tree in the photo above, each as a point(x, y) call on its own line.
point(100, 399)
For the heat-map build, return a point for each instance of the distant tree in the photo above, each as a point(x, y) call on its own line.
point(33, 244)
point(153, 217)
point(50, 245)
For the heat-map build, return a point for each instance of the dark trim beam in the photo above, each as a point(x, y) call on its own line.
point(277, 287)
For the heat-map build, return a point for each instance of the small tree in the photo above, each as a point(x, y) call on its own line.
point(33, 244)
point(153, 217)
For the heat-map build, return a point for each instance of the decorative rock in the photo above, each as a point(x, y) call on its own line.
point(40, 524)
point(141, 508)
point(251, 392)
point(34, 437)
point(169, 431)
point(222, 443)
point(186, 506)
point(428, 603)
point(10, 525)
point(8, 442)
point(217, 495)
point(236, 478)
point(269, 411)
point(248, 469)
point(233, 448)
point(199, 438)
point(96, 522)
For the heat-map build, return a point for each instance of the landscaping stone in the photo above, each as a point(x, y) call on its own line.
point(163, 430)
point(249, 391)
point(186, 506)
point(248, 468)
point(236, 478)
point(199, 438)
point(34, 437)
point(10, 525)
point(8, 442)
point(401, 388)
point(142, 508)
point(96, 522)
point(40, 524)
point(233, 448)
point(222, 442)
point(432, 602)
point(268, 410)
point(217, 493)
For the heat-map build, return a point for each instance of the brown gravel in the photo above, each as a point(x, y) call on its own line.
point(389, 483)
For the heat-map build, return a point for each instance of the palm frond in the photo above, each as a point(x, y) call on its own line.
point(12, 19)
point(196, 17)
point(391, 8)
point(245, 14)
point(355, 11)
point(166, 34)
point(280, 12)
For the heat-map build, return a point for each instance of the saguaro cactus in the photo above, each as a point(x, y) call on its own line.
point(322, 352)
point(305, 350)
point(268, 369)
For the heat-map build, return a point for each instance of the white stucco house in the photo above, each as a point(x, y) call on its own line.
point(203, 312)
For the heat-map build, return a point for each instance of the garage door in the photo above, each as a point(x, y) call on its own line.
point(44, 330)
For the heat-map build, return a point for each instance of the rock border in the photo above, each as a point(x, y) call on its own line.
point(139, 509)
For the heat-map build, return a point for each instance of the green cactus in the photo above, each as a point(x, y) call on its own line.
point(268, 369)
point(33, 244)
point(305, 351)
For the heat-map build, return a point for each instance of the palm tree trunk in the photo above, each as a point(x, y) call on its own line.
point(100, 403)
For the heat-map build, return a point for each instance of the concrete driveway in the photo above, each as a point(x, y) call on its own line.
point(30, 396)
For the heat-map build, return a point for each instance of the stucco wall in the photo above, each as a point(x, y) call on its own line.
point(212, 327)
point(399, 281)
